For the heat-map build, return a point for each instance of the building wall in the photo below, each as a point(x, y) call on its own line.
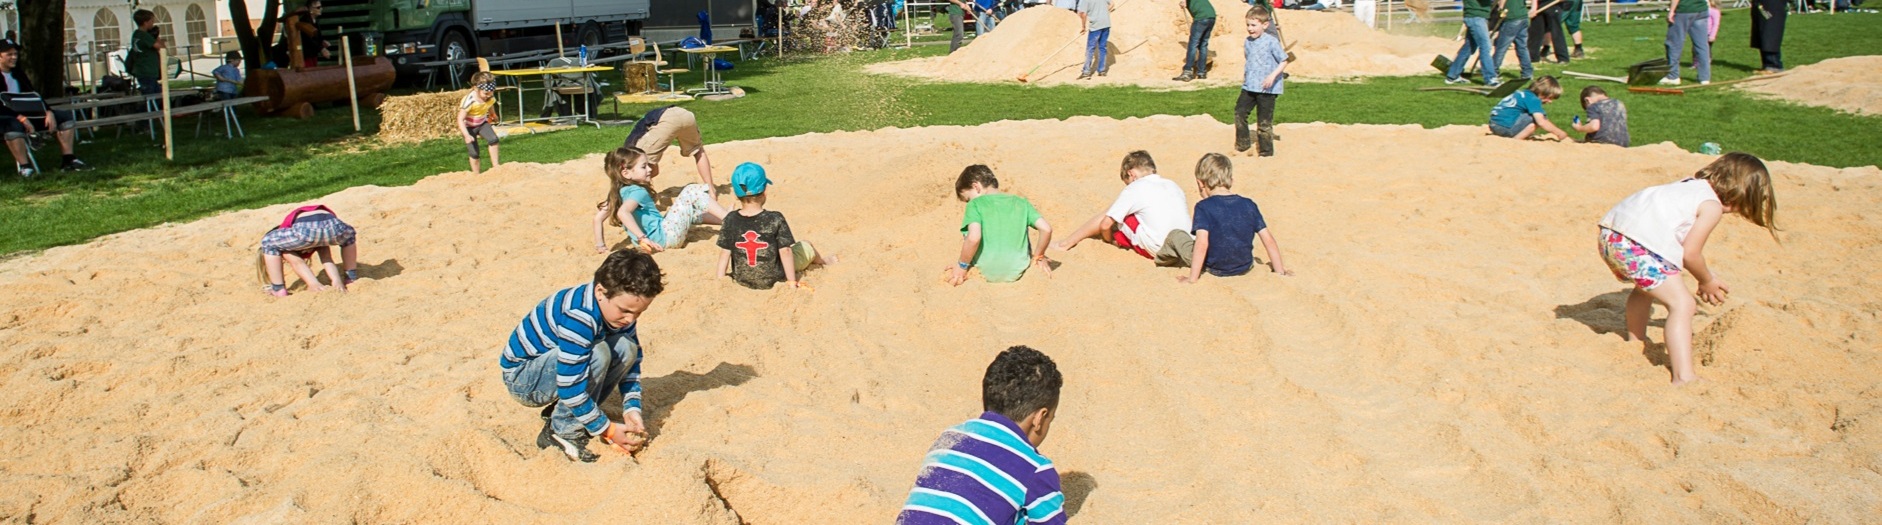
point(84, 28)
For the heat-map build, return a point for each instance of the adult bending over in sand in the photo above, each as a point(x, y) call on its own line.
point(659, 128)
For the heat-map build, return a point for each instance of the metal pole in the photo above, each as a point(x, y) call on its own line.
point(352, 86)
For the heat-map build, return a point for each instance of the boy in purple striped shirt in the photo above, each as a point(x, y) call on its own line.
point(988, 470)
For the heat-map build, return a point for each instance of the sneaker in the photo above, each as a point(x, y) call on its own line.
point(75, 165)
point(1185, 77)
point(27, 171)
point(1669, 81)
point(1084, 75)
point(1102, 73)
point(1577, 53)
point(1704, 82)
point(1493, 83)
point(547, 410)
point(1200, 75)
point(1456, 80)
point(575, 448)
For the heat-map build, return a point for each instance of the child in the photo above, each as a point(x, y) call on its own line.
point(1150, 217)
point(1712, 21)
point(473, 119)
point(141, 59)
point(761, 237)
point(1261, 82)
point(1607, 118)
point(988, 469)
point(576, 344)
point(996, 226)
point(1226, 226)
point(1659, 232)
point(306, 231)
point(229, 76)
point(1687, 20)
point(630, 205)
point(1519, 115)
point(1094, 16)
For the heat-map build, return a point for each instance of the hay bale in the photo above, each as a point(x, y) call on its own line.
point(421, 117)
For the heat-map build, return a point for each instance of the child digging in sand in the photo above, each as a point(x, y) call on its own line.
point(989, 469)
point(1607, 118)
point(755, 239)
point(996, 228)
point(474, 116)
point(307, 231)
point(1654, 235)
point(1519, 115)
point(576, 344)
point(630, 205)
point(1150, 217)
point(1226, 226)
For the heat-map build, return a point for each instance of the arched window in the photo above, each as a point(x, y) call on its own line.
point(196, 24)
point(104, 31)
point(165, 29)
point(71, 34)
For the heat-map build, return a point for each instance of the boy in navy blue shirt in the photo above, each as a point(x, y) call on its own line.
point(1226, 225)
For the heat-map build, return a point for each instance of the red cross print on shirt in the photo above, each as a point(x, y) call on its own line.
point(751, 247)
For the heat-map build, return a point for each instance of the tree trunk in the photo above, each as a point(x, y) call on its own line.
point(254, 43)
point(42, 37)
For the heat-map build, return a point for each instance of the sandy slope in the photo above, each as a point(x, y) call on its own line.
point(1445, 355)
point(1851, 84)
point(1147, 47)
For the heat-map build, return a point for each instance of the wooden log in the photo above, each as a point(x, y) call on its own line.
point(288, 89)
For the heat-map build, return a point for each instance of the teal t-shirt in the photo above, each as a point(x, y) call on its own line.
point(1691, 6)
point(1005, 249)
point(1481, 8)
point(646, 215)
point(1515, 106)
point(1201, 9)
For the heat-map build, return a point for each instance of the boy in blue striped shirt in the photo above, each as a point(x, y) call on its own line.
point(988, 470)
point(577, 343)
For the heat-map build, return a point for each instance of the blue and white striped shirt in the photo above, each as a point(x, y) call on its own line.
point(568, 325)
point(1264, 55)
point(984, 472)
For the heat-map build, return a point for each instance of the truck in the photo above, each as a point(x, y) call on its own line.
point(413, 32)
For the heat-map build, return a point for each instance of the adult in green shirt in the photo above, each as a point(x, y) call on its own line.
point(1515, 30)
point(1201, 23)
point(1688, 20)
point(1476, 39)
point(957, 15)
point(996, 229)
point(142, 60)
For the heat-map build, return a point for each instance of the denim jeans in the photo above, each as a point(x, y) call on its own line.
point(1097, 50)
point(1517, 32)
point(1689, 26)
point(983, 22)
point(1476, 38)
point(1198, 56)
point(533, 383)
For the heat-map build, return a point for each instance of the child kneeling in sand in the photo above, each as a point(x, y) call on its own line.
point(996, 227)
point(1519, 115)
point(1226, 226)
point(1607, 118)
point(307, 231)
point(1657, 233)
point(576, 344)
point(761, 237)
point(1150, 217)
point(630, 205)
point(474, 116)
point(989, 469)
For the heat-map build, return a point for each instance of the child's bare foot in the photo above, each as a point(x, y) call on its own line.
point(827, 260)
point(1677, 383)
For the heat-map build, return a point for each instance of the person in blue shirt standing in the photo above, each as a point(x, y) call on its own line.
point(1261, 82)
point(984, 18)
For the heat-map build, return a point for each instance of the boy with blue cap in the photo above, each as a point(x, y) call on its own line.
point(754, 239)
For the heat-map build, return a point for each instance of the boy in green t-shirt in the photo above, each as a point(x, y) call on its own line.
point(995, 228)
point(142, 58)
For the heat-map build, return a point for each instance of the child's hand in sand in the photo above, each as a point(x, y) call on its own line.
point(1185, 279)
point(801, 285)
point(1281, 270)
point(1044, 265)
point(649, 246)
point(1713, 292)
point(957, 275)
point(628, 436)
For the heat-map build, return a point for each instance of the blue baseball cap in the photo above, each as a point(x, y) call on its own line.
point(748, 179)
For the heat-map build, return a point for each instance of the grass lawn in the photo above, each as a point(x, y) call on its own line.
point(286, 161)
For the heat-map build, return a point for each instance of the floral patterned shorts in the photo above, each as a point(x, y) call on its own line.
point(1631, 262)
point(688, 210)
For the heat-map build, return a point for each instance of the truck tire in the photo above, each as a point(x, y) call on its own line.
point(589, 34)
point(453, 45)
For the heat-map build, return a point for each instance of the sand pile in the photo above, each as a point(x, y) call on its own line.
point(1446, 353)
point(1147, 46)
point(1852, 84)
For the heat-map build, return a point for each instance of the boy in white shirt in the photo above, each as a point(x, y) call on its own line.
point(1150, 217)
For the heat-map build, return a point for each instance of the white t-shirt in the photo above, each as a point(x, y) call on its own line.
point(12, 86)
point(1658, 218)
point(1160, 207)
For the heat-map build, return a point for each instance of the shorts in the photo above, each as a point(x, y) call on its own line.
point(1522, 122)
point(687, 211)
point(485, 131)
point(675, 124)
point(308, 234)
point(14, 130)
point(1631, 262)
point(1122, 237)
point(1178, 246)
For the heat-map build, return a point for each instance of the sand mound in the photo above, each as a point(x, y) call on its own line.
point(1147, 46)
point(1852, 84)
point(1446, 353)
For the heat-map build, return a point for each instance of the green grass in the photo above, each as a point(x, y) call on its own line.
point(287, 161)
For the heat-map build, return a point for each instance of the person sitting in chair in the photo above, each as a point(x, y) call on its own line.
point(18, 125)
